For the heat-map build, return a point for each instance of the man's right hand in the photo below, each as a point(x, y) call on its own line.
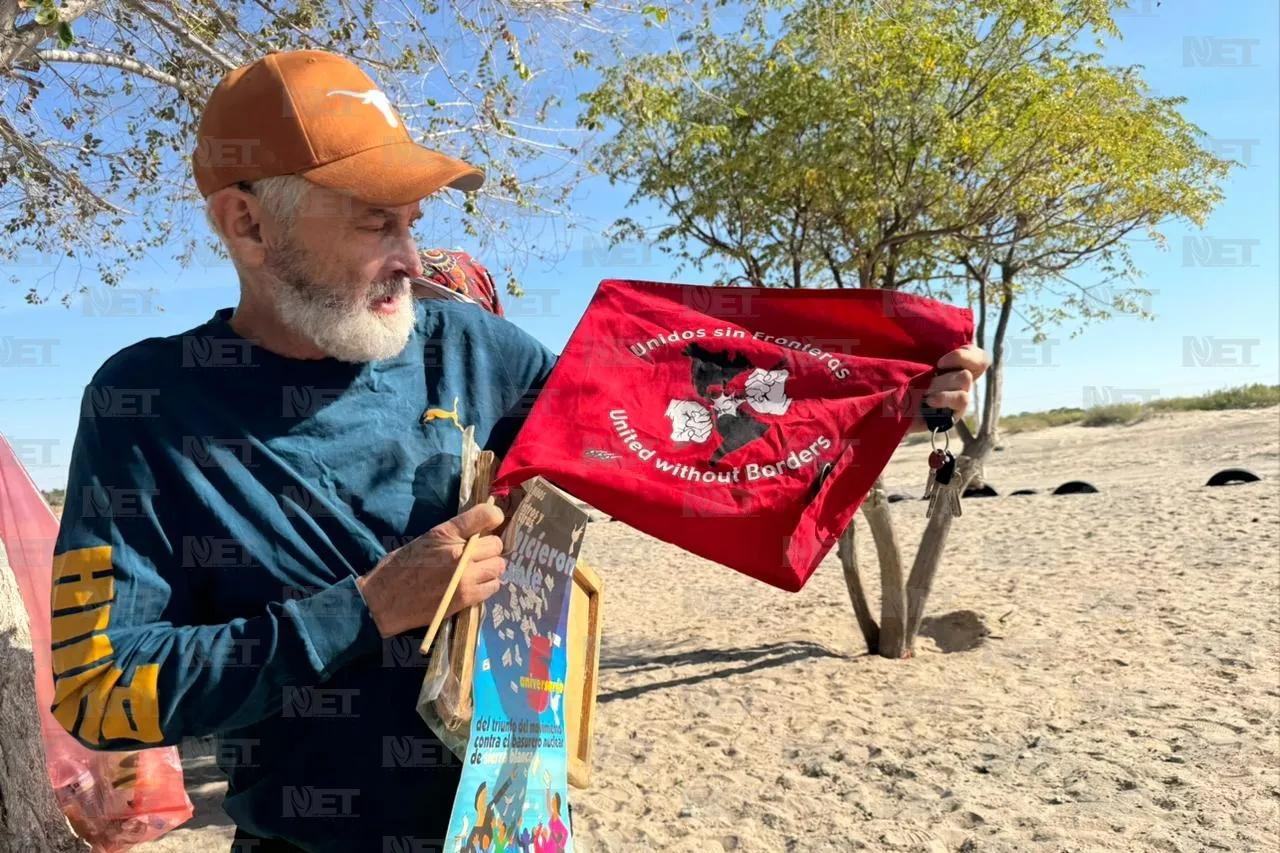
point(405, 588)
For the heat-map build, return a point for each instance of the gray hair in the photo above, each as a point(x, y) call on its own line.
point(281, 196)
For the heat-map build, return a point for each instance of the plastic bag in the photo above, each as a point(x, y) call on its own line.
point(114, 800)
point(118, 799)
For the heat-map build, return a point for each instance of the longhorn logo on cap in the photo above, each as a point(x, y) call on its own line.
point(374, 97)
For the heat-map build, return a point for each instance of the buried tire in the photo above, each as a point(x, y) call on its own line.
point(1232, 476)
point(1076, 487)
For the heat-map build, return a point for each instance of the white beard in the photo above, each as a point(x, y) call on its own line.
point(348, 331)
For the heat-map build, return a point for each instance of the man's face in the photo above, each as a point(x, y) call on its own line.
point(342, 275)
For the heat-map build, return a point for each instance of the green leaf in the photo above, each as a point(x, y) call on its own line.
point(65, 38)
point(47, 17)
point(657, 13)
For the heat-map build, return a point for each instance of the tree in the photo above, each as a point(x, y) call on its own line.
point(99, 102)
point(922, 144)
point(30, 820)
point(1119, 162)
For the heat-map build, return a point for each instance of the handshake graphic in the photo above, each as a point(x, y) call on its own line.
point(765, 393)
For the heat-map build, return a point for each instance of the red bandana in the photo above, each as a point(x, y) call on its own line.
point(745, 425)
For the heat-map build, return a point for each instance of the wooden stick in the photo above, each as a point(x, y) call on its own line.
point(443, 607)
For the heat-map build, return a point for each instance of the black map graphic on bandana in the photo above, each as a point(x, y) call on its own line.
point(719, 368)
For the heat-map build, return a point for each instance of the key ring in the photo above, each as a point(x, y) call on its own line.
point(933, 437)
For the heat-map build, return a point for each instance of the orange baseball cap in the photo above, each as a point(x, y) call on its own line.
point(316, 114)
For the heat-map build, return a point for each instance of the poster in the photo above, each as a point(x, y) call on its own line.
point(513, 795)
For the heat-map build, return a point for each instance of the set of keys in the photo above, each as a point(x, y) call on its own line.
point(942, 463)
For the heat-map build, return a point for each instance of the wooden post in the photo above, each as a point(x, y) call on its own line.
point(30, 820)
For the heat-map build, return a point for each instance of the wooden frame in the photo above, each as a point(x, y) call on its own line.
point(582, 643)
point(582, 670)
point(582, 673)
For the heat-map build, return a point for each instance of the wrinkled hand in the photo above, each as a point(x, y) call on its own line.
point(951, 390)
point(405, 588)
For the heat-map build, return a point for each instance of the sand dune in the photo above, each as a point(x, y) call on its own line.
point(1098, 672)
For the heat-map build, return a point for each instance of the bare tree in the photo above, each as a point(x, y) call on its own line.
point(99, 102)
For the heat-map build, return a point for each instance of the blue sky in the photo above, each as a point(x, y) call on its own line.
point(1217, 299)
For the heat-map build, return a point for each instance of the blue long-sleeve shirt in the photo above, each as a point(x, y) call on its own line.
point(221, 502)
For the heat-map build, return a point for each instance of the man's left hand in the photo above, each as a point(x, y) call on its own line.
point(950, 390)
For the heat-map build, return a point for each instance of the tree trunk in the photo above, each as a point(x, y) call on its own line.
point(30, 820)
point(978, 446)
point(893, 596)
point(853, 581)
point(929, 556)
point(989, 430)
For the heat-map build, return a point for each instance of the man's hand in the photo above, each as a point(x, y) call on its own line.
point(951, 390)
point(405, 588)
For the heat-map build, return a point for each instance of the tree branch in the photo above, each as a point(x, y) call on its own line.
point(124, 63)
point(13, 137)
point(187, 36)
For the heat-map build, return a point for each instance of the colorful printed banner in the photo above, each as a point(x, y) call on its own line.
point(513, 794)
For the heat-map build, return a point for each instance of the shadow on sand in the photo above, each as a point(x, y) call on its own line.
point(958, 631)
point(747, 660)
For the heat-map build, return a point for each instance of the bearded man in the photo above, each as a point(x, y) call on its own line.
point(252, 553)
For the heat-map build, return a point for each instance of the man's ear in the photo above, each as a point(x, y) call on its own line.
point(238, 216)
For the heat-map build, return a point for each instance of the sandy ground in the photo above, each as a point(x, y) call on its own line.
point(1099, 673)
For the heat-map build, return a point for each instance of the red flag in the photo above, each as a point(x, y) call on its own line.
point(745, 425)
